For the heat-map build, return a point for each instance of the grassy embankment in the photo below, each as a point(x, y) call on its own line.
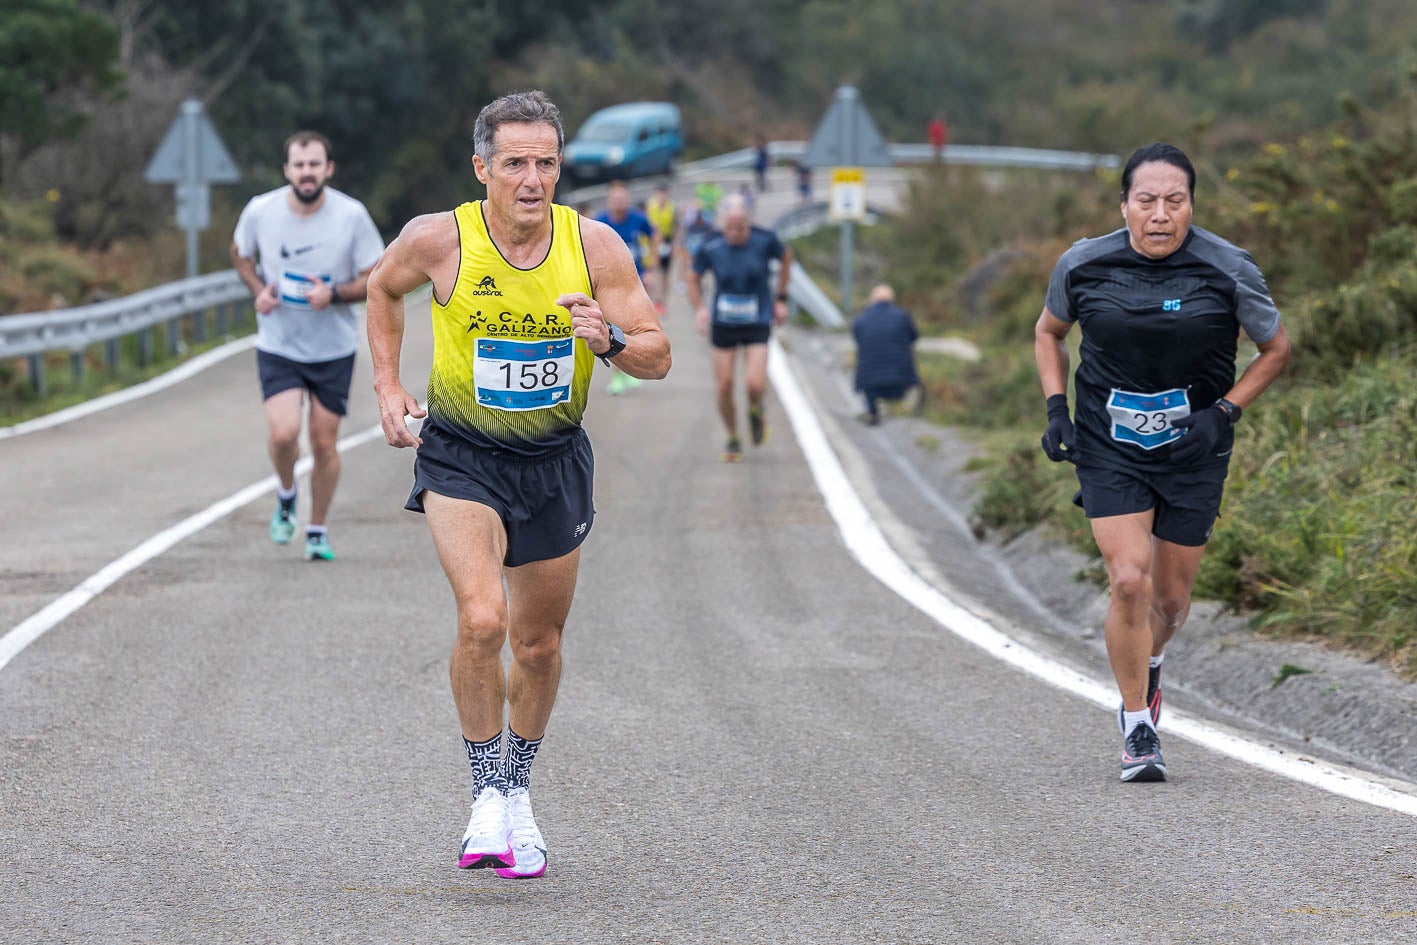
point(1318, 533)
point(39, 273)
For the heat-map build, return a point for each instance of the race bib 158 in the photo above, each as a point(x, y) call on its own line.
point(513, 374)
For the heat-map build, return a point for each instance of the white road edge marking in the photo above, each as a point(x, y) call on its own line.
point(163, 381)
point(42, 621)
point(869, 546)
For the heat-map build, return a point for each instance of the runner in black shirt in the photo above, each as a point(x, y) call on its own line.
point(1160, 304)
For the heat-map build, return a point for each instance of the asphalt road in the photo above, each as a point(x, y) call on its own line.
point(755, 740)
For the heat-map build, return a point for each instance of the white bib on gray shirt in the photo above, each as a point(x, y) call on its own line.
point(331, 246)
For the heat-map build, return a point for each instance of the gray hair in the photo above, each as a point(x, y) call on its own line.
point(516, 107)
point(733, 204)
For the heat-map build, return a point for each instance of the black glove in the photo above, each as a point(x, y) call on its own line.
point(1203, 430)
point(1059, 440)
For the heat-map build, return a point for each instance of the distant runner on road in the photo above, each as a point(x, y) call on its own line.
point(1161, 304)
point(640, 237)
point(745, 307)
point(526, 295)
point(315, 247)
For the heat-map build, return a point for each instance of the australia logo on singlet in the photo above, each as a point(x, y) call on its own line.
point(488, 286)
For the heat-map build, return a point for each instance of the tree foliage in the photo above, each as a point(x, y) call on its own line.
point(54, 56)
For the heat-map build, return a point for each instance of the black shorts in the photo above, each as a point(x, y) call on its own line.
point(545, 502)
point(666, 256)
point(731, 336)
point(1187, 501)
point(327, 381)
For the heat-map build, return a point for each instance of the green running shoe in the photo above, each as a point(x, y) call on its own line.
point(282, 525)
point(317, 547)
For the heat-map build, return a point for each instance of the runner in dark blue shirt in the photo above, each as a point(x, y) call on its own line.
point(745, 308)
point(1160, 304)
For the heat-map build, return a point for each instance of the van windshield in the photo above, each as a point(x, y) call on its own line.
point(604, 132)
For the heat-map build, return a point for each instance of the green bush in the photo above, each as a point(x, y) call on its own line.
point(57, 271)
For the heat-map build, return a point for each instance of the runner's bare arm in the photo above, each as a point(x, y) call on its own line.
point(619, 298)
point(264, 294)
point(1050, 353)
point(355, 290)
point(417, 256)
point(1262, 371)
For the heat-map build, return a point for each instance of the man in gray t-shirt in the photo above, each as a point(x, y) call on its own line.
point(305, 251)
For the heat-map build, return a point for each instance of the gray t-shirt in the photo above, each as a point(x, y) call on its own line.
point(332, 245)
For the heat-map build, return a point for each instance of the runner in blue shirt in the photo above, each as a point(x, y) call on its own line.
point(640, 236)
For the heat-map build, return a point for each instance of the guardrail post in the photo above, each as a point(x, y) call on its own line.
point(172, 336)
point(110, 354)
point(76, 367)
point(199, 326)
point(36, 369)
point(145, 347)
point(221, 320)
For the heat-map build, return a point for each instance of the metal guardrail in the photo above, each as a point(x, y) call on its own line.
point(804, 293)
point(77, 329)
point(971, 154)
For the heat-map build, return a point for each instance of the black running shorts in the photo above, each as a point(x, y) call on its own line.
point(327, 381)
point(545, 502)
point(1187, 501)
point(731, 336)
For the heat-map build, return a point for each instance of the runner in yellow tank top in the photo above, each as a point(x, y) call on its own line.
point(665, 220)
point(526, 294)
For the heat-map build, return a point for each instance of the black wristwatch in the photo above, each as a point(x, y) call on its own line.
point(1232, 411)
point(782, 296)
point(617, 344)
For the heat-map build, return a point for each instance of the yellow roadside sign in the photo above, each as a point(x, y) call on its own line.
point(847, 196)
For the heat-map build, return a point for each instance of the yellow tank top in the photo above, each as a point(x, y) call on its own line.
point(507, 371)
point(661, 214)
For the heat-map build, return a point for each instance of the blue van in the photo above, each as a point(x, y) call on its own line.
point(623, 141)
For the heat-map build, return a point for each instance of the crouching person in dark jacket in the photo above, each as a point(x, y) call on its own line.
point(885, 354)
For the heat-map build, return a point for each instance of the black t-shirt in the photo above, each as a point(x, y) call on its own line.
point(1158, 339)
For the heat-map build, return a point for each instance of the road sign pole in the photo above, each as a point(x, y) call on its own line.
point(191, 114)
point(846, 236)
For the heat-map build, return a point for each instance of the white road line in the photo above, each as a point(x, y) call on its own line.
point(45, 619)
point(163, 381)
point(868, 544)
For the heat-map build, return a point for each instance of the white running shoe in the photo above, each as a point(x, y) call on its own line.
point(487, 840)
point(528, 848)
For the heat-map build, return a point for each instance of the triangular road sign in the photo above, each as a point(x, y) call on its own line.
point(846, 136)
point(191, 132)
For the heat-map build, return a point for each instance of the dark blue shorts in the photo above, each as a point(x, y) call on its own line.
point(731, 336)
point(327, 381)
point(1187, 501)
point(545, 502)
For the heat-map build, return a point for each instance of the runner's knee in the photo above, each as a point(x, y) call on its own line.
point(539, 653)
point(1171, 611)
point(481, 626)
point(1130, 583)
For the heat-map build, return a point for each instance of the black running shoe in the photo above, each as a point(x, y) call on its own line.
point(1153, 694)
point(1141, 755)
